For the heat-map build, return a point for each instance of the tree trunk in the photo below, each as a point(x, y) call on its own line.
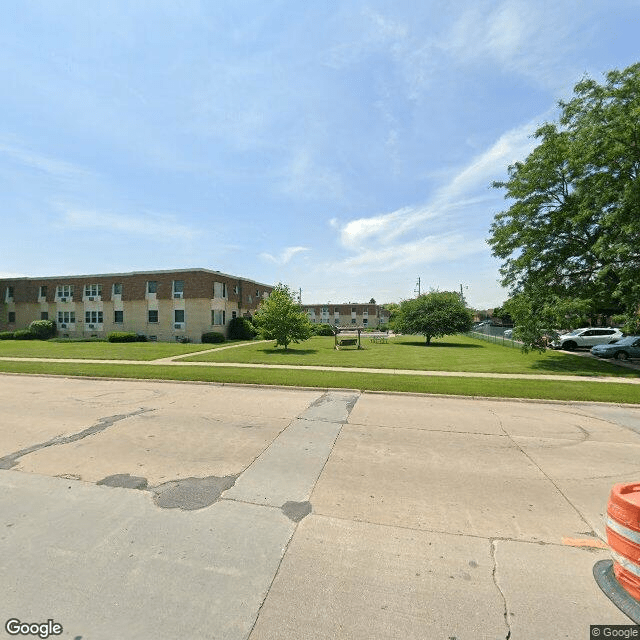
point(428, 339)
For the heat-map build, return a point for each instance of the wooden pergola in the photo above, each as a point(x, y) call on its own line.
point(347, 342)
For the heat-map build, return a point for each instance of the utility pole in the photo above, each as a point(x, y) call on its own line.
point(418, 287)
point(300, 296)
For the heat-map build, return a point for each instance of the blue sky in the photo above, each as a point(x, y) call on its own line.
point(342, 148)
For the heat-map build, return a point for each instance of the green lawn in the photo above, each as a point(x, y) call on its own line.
point(582, 390)
point(453, 353)
point(99, 350)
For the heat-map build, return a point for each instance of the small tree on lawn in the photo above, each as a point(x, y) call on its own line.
point(281, 318)
point(435, 314)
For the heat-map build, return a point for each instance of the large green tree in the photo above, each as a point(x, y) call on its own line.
point(281, 318)
point(435, 314)
point(571, 236)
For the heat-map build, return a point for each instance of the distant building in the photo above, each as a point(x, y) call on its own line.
point(364, 315)
point(162, 305)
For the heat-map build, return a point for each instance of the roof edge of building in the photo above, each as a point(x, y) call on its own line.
point(137, 273)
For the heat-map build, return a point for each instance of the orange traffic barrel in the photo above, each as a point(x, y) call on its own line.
point(623, 535)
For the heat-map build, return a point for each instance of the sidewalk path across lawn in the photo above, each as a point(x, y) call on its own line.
point(405, 372)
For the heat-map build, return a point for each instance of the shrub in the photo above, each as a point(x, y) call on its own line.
point(122, 336)
point(322, 330)
point(23, 334)
point(140, 337)
point(64, 340)
point(241, 329)
point(184, 339)
point(6, 335)
point(43, 329)
point(213, 337)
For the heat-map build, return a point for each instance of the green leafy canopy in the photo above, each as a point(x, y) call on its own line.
point(281, 318)
point(572, 233)
point(435, 314)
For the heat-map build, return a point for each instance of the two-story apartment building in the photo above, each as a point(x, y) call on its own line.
point(162, 305)
point(357, 314)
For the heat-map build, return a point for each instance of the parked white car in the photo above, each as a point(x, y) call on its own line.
point(586, 337)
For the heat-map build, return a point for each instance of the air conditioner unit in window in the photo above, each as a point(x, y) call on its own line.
point(178, 325)
point(177, 295)
point(63, 299)
point(92, 326)
point(63, 326)
point(91, 298)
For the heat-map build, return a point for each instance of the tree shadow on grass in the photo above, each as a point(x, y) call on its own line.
point(273, 351)
point(435, 345)
point(577, 366)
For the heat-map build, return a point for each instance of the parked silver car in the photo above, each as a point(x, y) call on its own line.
point(586, 337)
point(623, 349)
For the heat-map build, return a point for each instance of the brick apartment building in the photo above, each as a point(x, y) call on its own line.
point(363, 315)
point(162, 305)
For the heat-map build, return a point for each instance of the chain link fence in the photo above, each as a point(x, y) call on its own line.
point(495, 335)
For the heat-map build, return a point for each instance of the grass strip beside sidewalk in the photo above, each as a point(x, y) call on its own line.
point(581, 390)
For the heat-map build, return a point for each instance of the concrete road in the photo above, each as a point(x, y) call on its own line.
point(149, 510)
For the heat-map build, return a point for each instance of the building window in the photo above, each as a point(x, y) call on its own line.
point(218, 317)
point(117, 289)
point(236, 289)
point(353, 309)
point(365, 321)
point(44, 315)
point(64, 292)
point(234, 315)
point(8, 294)
point(118, 317)
point(153, 315)
point(66, 317)
point(249, 299)
point(178, 288)
point(93, 317)
point(92, 290)
point(353, 320)
point(11, 316)
point(152, 287)
point(43, 292)
point(178, 315)
point(220, 290)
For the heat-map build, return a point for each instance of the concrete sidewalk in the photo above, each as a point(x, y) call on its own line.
point(144, 510)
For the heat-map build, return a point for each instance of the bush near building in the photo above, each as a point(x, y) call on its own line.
point(123, 336)
point(241, 329)
point(43, 329)
point(213, 337)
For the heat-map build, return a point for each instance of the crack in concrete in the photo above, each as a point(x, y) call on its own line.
point(546, 475)
point(494, 575)
point(11, 459)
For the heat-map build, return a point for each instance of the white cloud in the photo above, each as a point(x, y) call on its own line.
point(427, 250)
point(40, 162)
point(467, 187)
point(392, 240)
point(154, 225)
point(285, 255)
point(516, 36)
point(303, 178)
